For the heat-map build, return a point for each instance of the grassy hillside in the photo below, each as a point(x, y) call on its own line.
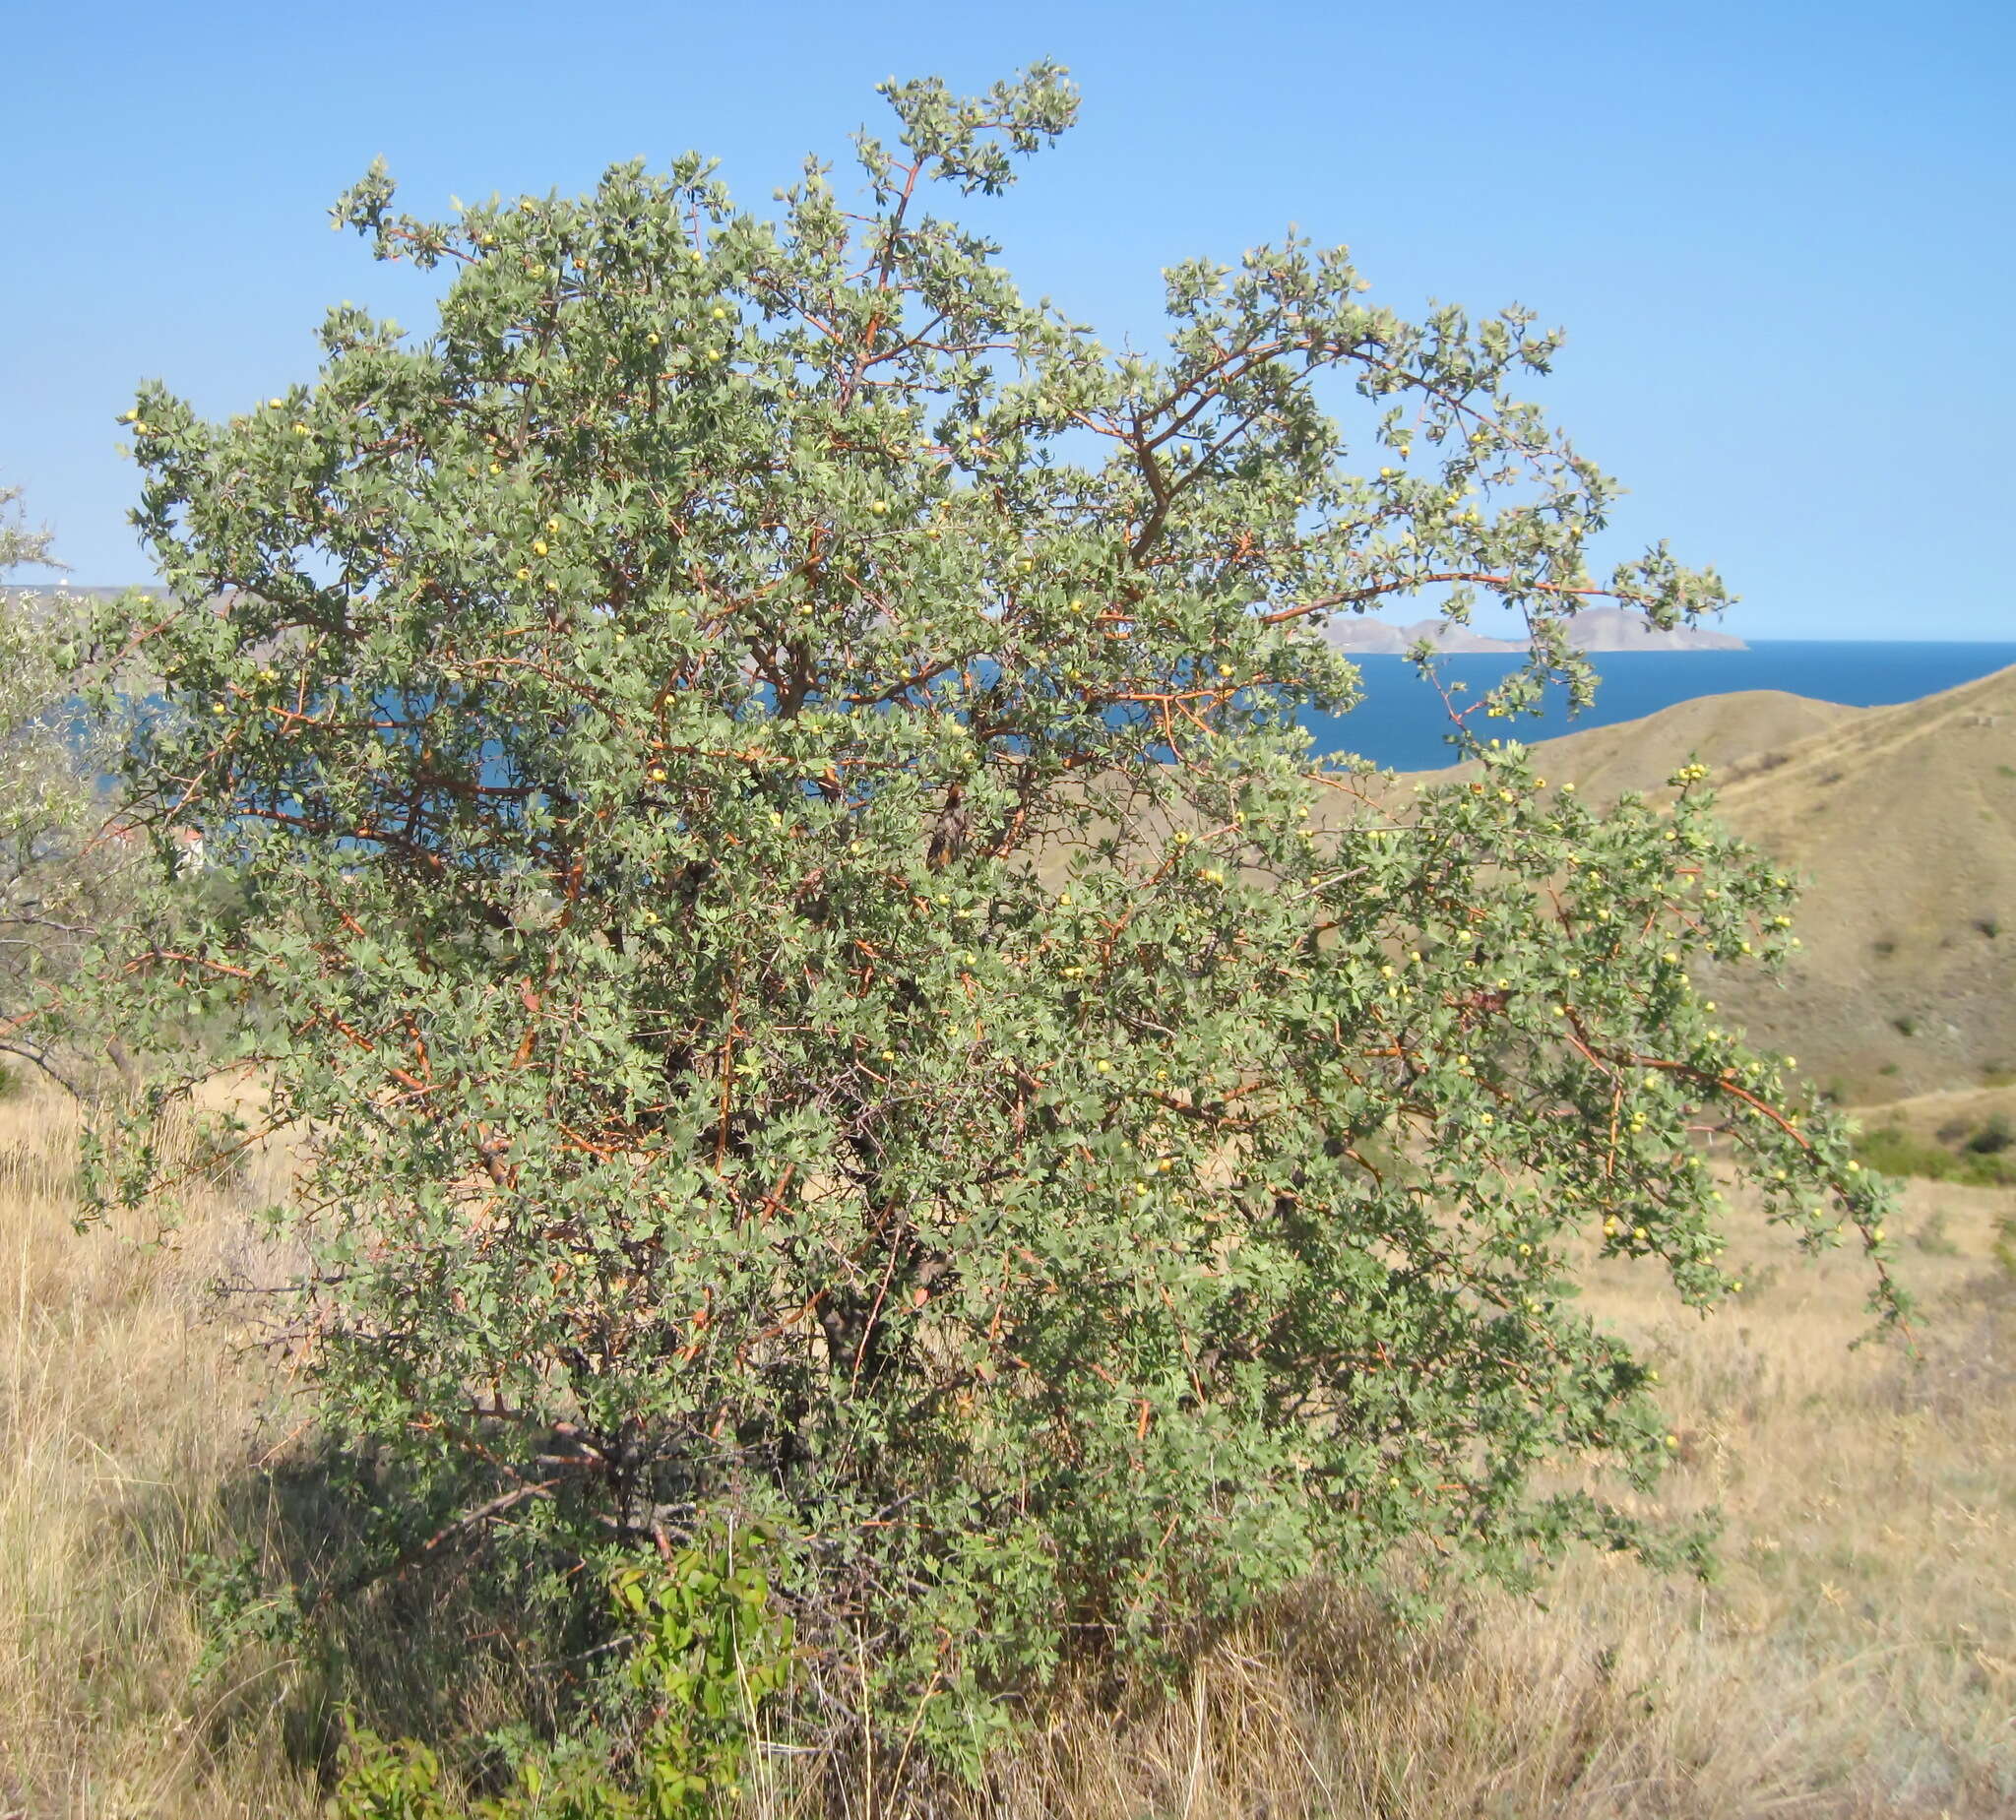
point(1748, 727)
point(1901, 822)
point(1905, 821)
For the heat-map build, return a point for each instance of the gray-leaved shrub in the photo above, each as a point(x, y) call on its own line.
point(820, 980)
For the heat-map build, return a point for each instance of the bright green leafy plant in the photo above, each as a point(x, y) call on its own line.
point(819, 978)
point(710, 1652)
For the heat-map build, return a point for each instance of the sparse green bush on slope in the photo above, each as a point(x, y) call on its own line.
point(639, 708)
point(62, 878)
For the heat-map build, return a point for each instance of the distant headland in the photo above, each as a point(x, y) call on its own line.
point(1595, 628)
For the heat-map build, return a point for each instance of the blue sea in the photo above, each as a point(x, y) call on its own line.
point(1400, 721)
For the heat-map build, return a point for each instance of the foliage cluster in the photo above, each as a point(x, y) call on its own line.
point(821, 984)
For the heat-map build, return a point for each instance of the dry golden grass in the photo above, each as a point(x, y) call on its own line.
point(1857, 1658)
point(124, 1417)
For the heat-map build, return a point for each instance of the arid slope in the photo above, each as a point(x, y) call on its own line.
point(1902, 823)
point(1904, 819)
point(1737, 734)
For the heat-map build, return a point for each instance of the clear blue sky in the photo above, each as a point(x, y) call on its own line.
point(1779, 234)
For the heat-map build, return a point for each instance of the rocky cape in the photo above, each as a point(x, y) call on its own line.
point(1595, 628)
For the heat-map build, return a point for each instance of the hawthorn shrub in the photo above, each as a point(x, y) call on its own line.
point(818, 978)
